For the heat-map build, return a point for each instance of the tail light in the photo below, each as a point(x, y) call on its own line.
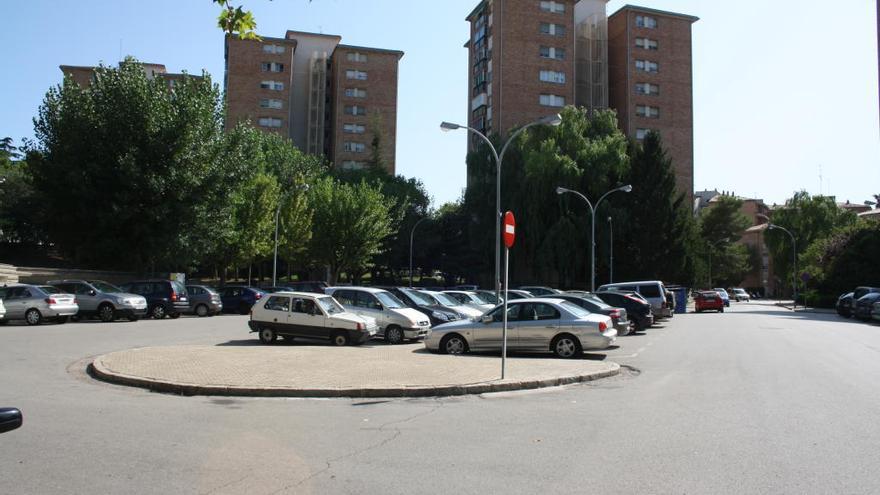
point(360, 326)
point(615, 313)
point(258, 296)
point(174, 296)
point(75, 301)
point(51, 300)
point(602, 327)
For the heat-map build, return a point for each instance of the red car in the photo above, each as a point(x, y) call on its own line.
point(709, 300)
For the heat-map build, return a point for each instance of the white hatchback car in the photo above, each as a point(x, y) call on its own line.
point(396, 321)
point(309, 316)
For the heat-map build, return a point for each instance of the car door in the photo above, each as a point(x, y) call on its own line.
point(276, 313)
point(86, 297)
point(367, 305)
point(306, 319)
point(491, 335)
point(15, 302)
point(538, 324)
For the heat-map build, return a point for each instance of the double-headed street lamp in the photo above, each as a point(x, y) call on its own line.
point(771, 226)
point(448, 126)
point(301, 187)
point(561, 190)
point(411, 234)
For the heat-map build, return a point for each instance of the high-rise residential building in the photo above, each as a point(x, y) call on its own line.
point(529, 58)
point(651, 74)
point(331, 99)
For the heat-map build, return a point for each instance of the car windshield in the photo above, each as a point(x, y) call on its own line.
point(479, 298)
point(50, 289)
point(445, 299)
point(488, 297)
point(105, 287)
point(419, 298)
point(330, 305)
point(574, 309)
point(389, 300)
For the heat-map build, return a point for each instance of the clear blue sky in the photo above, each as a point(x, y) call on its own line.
point(781, 88)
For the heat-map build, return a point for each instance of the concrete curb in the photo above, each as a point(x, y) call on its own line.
point(98, 371)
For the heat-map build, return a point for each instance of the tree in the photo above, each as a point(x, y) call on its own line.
point(236, 20)
point(351, 221)
point(844, 260)
point(721, 225)
point(8, 151)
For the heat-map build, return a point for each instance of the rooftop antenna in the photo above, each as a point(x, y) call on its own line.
point(820, 180)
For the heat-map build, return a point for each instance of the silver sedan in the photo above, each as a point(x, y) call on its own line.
point(539, 325)
point(37, 303)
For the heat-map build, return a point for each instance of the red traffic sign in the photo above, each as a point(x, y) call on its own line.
point(509, 233)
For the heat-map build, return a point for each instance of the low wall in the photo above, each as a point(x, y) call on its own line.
point(38, 275)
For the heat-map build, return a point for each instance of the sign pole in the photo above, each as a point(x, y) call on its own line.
point(504, 317)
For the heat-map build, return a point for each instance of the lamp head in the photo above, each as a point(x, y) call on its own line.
point(627, 188)
point(561, 190)
point(553, 120)
point(449, 126)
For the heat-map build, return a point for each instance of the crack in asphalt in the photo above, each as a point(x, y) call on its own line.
point(396, 433)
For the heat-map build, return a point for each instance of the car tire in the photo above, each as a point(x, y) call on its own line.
point(721, 310)
point(267, 336)
point(339, 339)
point(61, 319)
point(453, 344)
point(393, 335)
point(157, 312)
point(566, 346)
point(202, 311)
point(106, 312)
point(33, 316)
point(174, 316)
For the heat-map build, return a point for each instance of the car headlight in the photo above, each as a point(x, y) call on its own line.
point(440, 316)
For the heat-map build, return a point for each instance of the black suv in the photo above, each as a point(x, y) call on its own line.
point(164, 297)
point(239, 298)
point(638, 311)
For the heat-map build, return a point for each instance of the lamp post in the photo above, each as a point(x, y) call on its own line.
point(561, 190)
point(610, 251)
point(412, 232)
point(553, 120)
point(772, 226)
point(301, 187)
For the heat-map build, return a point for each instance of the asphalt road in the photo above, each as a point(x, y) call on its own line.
point(755, 400)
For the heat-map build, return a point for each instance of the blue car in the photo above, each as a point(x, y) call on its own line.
point(725, 297)
point(239, 298)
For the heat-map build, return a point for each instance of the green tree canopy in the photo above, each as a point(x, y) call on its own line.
point(720, 226)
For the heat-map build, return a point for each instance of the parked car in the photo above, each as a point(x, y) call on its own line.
point(875, 313)
point(864, 305)
point(37, 303)
point(309, 316)
point(10, 419)
point(436, 313)
point(100, 299)
point(638, 310)
point(488, 296)
point(395, 320)
point(725, 297)
point(470, 298)
point(239, 298)
point(844, 305)
point(204, 300)
point(164, 297)
point(540, 325)
point(538, 291)
point(444, 300)
point(516, 294)
point(670, 302)
point(708, 300)
point(593, 304)
point(652, 290)
point(2, 310)
point(314, 286)
point(740, 295)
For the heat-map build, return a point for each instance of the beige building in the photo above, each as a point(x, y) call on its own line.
point(328, 98)
point(84, 75)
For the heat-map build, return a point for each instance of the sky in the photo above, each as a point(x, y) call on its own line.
point(785, 92)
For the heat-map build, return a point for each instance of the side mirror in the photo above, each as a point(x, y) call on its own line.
point(10, 419)
point(487, 319)
point(92, 292)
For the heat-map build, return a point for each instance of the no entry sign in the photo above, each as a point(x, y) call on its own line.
point(509, 229)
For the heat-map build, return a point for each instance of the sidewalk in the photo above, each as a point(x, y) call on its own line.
point(303, 370)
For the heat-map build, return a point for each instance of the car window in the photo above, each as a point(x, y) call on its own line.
point(278, 303)
point(445, 299)
point(345, 297)
point(650, 290)
point(538, 311)
point(366, 300)
point(512, 312)
point(429, 298)
point(105, 287)
point(419, 298)
point(389, 300)
point(50, 289)
point(79, 289)
point(330, 305)
point(196, 291)
point(458, 297)
point(574, 309)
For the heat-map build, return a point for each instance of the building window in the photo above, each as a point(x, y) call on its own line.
point(647, 66)
point(269, 122)
point(355, 92)
point(274, 49)
point(356, 57)
point(555, 7)
point(354, 147)
point(648, 111)
point(270, 103)
point(551, 52)
point(273, 85)
point(355, 110)
point(552, 101)
point(647, 89)
point(552, 76)
point(643, 133)
point(354, 128)
point(272, 67)
point(644, 21)
point(646, 43)
point(353, 165)
point(356, 74)
point(552, 29)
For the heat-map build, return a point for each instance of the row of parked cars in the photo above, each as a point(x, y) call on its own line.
point(462, 319)
point(863, 303)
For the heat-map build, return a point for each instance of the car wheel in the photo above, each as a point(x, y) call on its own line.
point(174, 316)
point(106, 313)
point(267, 336)
point(201, 311)
point(721, 310)
point(453, 344)
point(566, 346)
point(339, 339)
point(61, 319)
point(33, 316)
point(158, 312)
point(393, 335)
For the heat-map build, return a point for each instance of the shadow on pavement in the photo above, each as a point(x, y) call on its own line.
point(300, 342)
point(588, 355)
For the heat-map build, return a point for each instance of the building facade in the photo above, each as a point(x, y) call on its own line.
point(330, 99)
point(84, 75)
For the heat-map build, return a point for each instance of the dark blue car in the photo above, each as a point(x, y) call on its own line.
point(239, 298)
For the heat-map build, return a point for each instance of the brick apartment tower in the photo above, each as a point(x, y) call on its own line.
point(328, 98)
point(651, 74)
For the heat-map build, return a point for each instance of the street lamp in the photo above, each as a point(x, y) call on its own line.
point(610, 251)
point(412, 232)
point(301, 187)
point(561, 190)
point(771, 226)
point(553, 120)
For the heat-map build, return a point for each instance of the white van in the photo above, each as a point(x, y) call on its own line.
point(396, 321)
point(652, 290)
